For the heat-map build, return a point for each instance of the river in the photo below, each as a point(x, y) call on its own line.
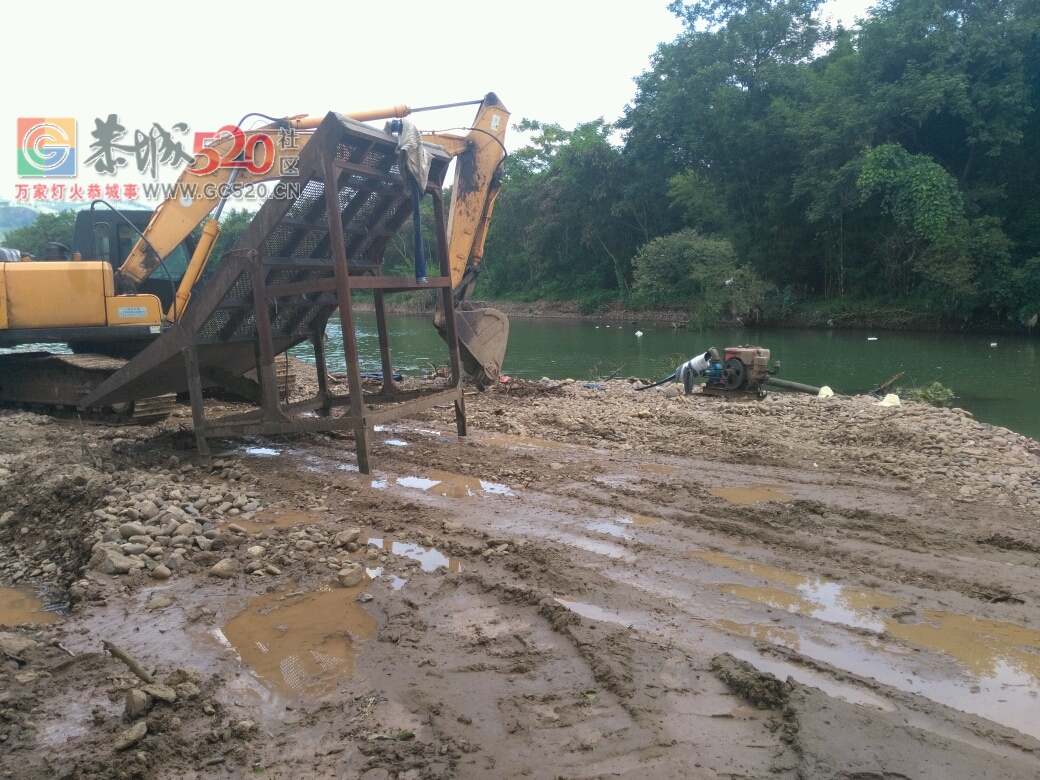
point(997, 378)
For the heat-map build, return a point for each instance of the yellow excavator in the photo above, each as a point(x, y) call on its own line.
point(106, 315)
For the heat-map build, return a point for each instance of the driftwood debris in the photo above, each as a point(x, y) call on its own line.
point(884, 386)
point(131, 664)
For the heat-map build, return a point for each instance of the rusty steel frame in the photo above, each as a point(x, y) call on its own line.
point(203, 361)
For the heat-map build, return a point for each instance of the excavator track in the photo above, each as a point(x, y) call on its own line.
point(61, 381)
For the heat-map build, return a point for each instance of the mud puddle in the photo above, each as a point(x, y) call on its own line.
point(783, 670)
point(300, 644)
point(592, 612)
point(429, 558)
point(657, 468)
point(285, 519)
point(610, 529)
point(442, 483)
point(510, 440)
point(749, 495)
point(262, 452)
point(998, 662)
point(639, 520)
point(19, 606)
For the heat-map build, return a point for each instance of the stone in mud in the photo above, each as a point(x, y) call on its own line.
point(351, 574)
point(305, 545)
point(158, 602)
point(109, 561)
point(187, 691)
point(160, 572)
point(452, 527)
point(343, 538)
point(161, 692)
point(127, 530)
point(183, 675)
point(225, 569)
point(236, 529)
point(243, 729)
point(148, 509)
point(131, 736)
point(137, 703)
point(256, 551)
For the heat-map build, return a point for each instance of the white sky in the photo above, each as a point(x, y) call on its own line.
point(207, 64)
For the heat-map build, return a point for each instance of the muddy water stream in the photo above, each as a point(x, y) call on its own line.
point(19, 606)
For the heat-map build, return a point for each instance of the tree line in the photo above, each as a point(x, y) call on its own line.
point(771, 162)
point(774, 168)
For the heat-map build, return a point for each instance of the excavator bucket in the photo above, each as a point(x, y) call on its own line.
point(483, 335)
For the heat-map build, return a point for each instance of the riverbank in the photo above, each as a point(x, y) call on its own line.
point(594, 582)
point(813, 315)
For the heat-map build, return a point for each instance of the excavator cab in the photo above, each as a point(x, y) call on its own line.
point(102, 235)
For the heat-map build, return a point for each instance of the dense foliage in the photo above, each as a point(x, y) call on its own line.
point(45, 229)
point(898, 161)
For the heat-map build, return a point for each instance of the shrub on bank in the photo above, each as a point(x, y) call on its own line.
point(700, 274)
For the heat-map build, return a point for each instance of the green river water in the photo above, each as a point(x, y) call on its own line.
point(998, 384)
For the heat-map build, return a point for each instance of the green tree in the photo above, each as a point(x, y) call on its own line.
point(701, 275)
point(233, 224)
point(47, 228)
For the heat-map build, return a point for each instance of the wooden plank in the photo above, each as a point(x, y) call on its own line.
point(265, 367)
point(451, 332)
point(198, 408)
point(384, 344)
point(346, 315)
point(369, 172)
point(408, 408)
point(321, 365)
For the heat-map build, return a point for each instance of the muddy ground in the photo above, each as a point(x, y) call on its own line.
point(594, 583)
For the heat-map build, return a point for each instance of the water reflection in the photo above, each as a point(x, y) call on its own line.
point(1005, 652)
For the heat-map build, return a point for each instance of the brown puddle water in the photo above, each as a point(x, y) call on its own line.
point(749, 495)
point(509, 440)
point(657, 468)
point(986, 648)
point(441, 483)
point(640, 520)
point(301, 644)
point(18, 606)
point(287, 519)
point(429, 558)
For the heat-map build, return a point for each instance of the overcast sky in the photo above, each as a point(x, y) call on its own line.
point(206, 64)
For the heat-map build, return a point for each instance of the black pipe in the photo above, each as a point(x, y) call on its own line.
point(796, 386)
